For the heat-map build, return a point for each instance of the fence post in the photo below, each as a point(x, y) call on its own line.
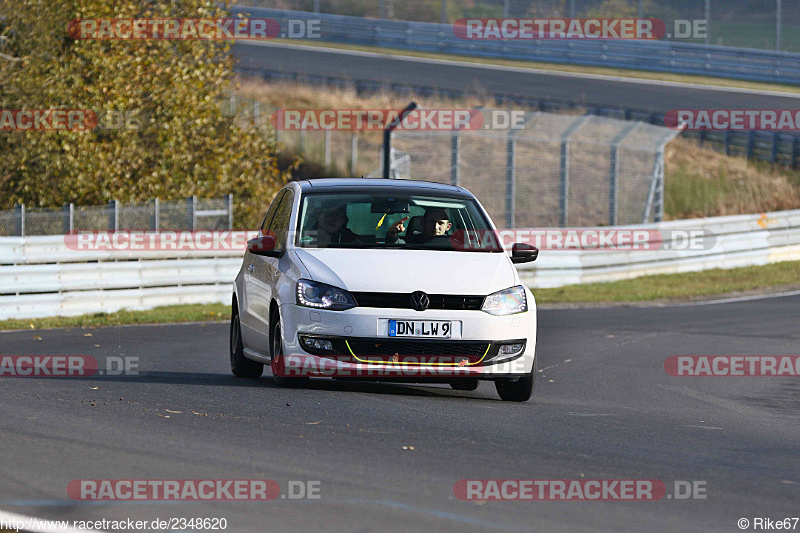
point(256, 113)
point(113, 215)
point(67, 210)
point(751, 138)
point(511, 178)
point(613, 193)
point(775, 142)
point(353, 153)
point(795, 152)
point(190, 207)
point(19, 220)
point(564, 168)
point(728, 142)
point(327, 149)
point(230, 211)
point(455, 148)
point(157, 214)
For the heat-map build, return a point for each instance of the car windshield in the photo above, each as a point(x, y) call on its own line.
point(377, 220)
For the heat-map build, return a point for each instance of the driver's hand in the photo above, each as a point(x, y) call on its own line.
point(397, 227)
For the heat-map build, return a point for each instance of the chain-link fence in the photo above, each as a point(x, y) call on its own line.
point(771, 24)
point(340, 152)
point(189, 214)
point(555, 170)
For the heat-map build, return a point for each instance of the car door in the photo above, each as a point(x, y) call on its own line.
point(252, 303)
point(266, 273)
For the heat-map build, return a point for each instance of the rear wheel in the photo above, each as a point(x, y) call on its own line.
point(241, 366)
point(277, 355)
point(467, 384)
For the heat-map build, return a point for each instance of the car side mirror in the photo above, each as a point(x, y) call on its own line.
point(523, 253)
point(263, 245)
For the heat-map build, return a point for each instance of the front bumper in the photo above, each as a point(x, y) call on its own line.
point(361, 343)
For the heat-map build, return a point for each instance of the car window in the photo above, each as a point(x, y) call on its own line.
point(279, 225)
point(363, 220)
point(271, 211)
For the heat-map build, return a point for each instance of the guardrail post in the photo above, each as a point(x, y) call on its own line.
point(230, 211)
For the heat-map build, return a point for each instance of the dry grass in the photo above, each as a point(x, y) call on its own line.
point(699, 181)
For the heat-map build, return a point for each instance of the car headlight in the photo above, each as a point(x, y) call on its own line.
point(322, 296)
point(506, 302)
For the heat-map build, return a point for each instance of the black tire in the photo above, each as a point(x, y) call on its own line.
point(467, 384)
point(276, 354)
point(241, 366)
point(519, 390)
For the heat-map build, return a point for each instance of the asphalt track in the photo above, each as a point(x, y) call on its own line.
point(645, 95)
point(603, 408)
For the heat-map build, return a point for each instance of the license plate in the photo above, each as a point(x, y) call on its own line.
point(420, 328)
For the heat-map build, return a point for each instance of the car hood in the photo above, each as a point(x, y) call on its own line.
point(397, 270)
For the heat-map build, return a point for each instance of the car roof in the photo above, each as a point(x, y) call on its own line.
point(390, 186)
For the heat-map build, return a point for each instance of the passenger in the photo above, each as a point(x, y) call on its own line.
point(435, 224)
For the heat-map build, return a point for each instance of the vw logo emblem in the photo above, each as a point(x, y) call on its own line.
point(420, 300)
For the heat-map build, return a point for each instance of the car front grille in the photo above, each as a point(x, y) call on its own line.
point(399, 300)
point(445, 352)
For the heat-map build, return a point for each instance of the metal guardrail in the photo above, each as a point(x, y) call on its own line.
point(657, 56)
point(739, 241)
point(42, 276)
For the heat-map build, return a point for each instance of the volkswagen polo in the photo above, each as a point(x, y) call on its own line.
point(383, 279)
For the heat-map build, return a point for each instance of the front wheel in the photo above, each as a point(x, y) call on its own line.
point(519, 390)
point(275, 360)
point(241, 366)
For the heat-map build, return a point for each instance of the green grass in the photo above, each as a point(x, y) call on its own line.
point(604, 71)
point(684, 286)
point(167, 314)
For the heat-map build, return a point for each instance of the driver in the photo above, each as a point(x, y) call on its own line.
point(332, 227)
